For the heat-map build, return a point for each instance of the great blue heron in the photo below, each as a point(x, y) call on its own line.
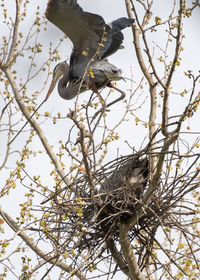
point(132, 172)
point(93, 41)
point(122, 189)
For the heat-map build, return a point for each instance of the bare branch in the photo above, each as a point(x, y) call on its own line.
point(171, 72)
point(134, 270)
point(152, 83)
point(15, 33)
point(38, 129)
point(53, 260)
point(117, 257)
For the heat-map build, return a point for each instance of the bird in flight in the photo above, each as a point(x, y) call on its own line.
point(93, 41)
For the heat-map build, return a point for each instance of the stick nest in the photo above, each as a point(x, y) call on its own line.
point(89, 219)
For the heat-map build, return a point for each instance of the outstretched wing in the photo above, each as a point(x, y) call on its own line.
point(84, 29)
point(115, 35)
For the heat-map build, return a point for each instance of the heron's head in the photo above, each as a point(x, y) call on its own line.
point(61, 69)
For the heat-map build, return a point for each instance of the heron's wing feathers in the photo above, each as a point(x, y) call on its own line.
point(84, 29)
point(115, 35)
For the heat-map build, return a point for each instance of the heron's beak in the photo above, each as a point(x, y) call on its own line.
point(52, 86)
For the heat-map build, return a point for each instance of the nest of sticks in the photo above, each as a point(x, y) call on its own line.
point(92, 217)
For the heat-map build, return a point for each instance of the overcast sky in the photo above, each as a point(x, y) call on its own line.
point(124, 59)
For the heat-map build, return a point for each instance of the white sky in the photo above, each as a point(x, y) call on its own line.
point(124, 59)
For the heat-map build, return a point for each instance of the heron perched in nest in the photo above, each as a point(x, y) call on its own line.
point(132, 173)
point(123, 189)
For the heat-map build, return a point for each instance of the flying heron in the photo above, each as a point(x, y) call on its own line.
point(93, 42)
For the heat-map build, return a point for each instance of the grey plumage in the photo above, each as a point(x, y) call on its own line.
point(133, 174)
point(93, 42)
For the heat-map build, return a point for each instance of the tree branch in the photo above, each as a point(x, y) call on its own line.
point(172, 70)
point(117, 257)
point(154, 183)
point(38, 130)
point(152, 83)
point(134, 270)
point(38, 251)
point(15, 33)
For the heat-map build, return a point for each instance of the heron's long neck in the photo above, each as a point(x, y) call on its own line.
point(65, 91)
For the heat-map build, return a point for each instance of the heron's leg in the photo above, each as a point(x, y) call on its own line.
point(117, 89)
point(93, 87)
point(114, 101)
